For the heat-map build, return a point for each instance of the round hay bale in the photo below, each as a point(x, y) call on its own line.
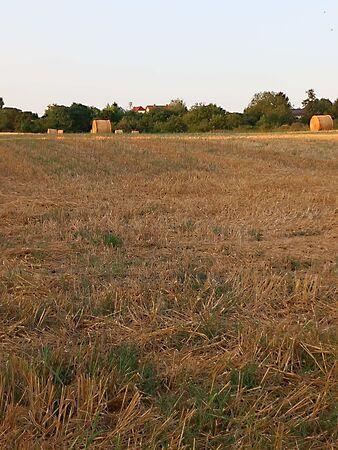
point(321, 123)
point(101, 126)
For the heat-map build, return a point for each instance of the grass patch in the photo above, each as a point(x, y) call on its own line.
point(246, 377)
point(112, 240)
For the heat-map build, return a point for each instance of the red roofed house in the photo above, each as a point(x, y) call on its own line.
point(152, 107)
point(139, 109)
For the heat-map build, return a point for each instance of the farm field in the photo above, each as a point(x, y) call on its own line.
point(168, 292)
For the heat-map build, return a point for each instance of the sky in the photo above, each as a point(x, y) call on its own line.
point(152, 51)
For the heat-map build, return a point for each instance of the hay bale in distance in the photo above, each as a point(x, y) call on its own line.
point(118, 131)
point(60, 131)
point(101, 126)
point(135, 132)
point(321, 123)
point(52, 131)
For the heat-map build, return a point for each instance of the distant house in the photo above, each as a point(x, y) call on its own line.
point(148, 108)
point(152, 107)
point(139, 109)
point(298, 113)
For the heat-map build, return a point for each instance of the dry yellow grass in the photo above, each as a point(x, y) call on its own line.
point(168, 292)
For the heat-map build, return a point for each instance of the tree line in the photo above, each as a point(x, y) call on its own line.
point(267, 110)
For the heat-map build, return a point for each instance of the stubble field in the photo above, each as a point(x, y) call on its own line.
point(168, 292)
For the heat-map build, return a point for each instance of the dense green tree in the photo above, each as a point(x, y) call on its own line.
point(178, 106)
point(131, 121)
point(159, 120)
point(95, 112)
point(313, 105)
point(268, 109)
point(156, 117)
point(81, 117)
point(112, 112)
point(58, 116)
point(335, 109)
point(233, 120)
point(28, 122)
point(13, 119)
point(201, 118)
point(9, 118)
point(175, 124)
point(324, 106)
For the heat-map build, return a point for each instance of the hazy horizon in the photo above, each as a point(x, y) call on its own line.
point(152, 52)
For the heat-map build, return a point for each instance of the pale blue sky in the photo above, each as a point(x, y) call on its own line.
point(149, 51)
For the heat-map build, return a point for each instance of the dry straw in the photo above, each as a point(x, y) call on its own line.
point(149, 301)
point(101, 126)
point(321, 123)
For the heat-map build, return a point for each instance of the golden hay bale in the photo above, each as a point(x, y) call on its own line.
point(118, 131)
point(52, 131)
point(101, 126)
point(320, 123)
point(60, 131)
point(135, 132)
